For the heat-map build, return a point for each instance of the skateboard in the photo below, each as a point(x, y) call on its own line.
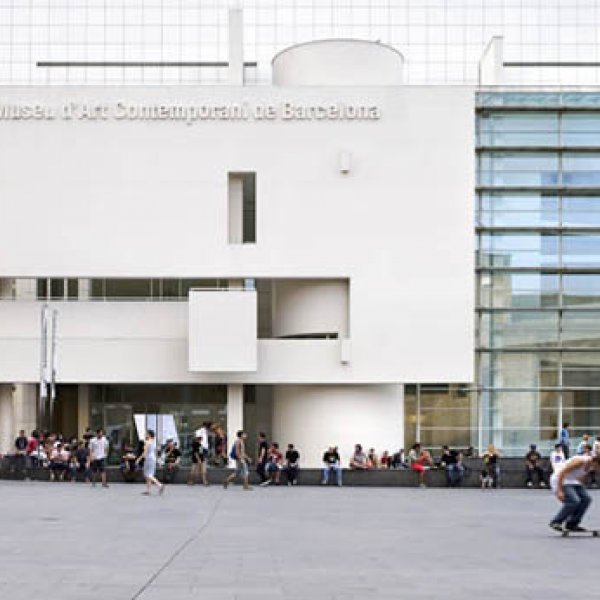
point(592, 532)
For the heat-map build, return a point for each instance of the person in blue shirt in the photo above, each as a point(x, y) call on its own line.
point(564, 439)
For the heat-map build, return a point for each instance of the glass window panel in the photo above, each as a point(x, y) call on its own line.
point(519, 329)
point(517, 121)
point(410, 415)
point(435, 438)
point(97, 288)
point(511, 138)
point(577, 122)
point(581, 329)
point(581, 290)
point(42, 289)
point(581, 162)
point(578, 373)
point(519, 161)
point(57, 288)
point(522, 290)
point(519, 201)
point(590, 178)
point(581, 250)
point(522, 370)
point(581, 409)
point(170, 288)
point(188, 284)
point(518, 250)
point(73, 288)
point(581, 211)
point(128, 288)
point(524, 178)
point(580, 138)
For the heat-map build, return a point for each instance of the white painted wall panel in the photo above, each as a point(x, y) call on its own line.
point(222, 330)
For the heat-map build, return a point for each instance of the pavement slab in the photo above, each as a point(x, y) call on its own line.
point(69, 541)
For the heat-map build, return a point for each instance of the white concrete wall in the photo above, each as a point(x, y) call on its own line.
point(135, 342)
point(305, 307)
point(149, 199)
point(338, 62)
point(316, 417)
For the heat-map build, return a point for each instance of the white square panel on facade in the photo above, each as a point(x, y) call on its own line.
point(222, 330)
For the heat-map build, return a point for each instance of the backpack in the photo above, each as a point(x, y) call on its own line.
point(233, 453)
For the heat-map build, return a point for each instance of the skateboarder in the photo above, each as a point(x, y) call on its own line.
point(567, 483)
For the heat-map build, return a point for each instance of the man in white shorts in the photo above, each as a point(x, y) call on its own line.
point(98, 455)
point(567, 483)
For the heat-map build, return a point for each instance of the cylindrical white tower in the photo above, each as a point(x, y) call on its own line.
point(306, 308)
point(338, 62)
point(314, 417)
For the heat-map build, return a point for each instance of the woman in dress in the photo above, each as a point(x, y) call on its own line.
point(149, 458)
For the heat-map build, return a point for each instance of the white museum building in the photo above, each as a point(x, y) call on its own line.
point(283, 258)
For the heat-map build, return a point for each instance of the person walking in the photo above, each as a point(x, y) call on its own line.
point(261, 458)
point(563, 438)
point(98, 454)
point(567, 483)
point(238, 453)
point(149, 456)
point(199, 460)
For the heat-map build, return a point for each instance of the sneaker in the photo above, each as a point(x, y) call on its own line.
point(543, 484)
point(105, 485)
point(422, 485)
point(575, 528)
point(225, 485)
point(555, 526)
point(295, 482)
point(529, 484)
point(323, 483)
point(265, 483)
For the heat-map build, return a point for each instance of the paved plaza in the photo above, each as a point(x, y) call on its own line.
point(68, 541)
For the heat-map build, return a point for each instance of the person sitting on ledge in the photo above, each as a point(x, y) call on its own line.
point(533, 467)
point(128, 466)
point(172, 458)
point(398, 460)
point(421, 462)
point(359, 460)
point(59, 462)
point(373, 459)
point(385, 460)
point(331, 462)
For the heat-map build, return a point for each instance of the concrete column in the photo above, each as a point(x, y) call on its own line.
point(7, 434)
point(25, 289)
point(83, 409)
point(84, 287)
point(236, 47)
point(25, 401)
point(235, 412)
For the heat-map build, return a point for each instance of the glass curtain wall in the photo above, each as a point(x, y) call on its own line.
point(538, 267)
point(114, 408)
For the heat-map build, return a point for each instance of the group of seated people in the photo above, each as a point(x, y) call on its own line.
point(271, 463)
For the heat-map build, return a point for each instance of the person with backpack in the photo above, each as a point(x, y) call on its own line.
point(242, 460)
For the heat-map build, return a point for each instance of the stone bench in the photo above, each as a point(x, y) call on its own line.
point(512, 475)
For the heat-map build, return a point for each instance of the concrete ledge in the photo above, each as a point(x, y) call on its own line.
point(512, 475)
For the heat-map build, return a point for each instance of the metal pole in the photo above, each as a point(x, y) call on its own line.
point(43, 365)
point(53, 362)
